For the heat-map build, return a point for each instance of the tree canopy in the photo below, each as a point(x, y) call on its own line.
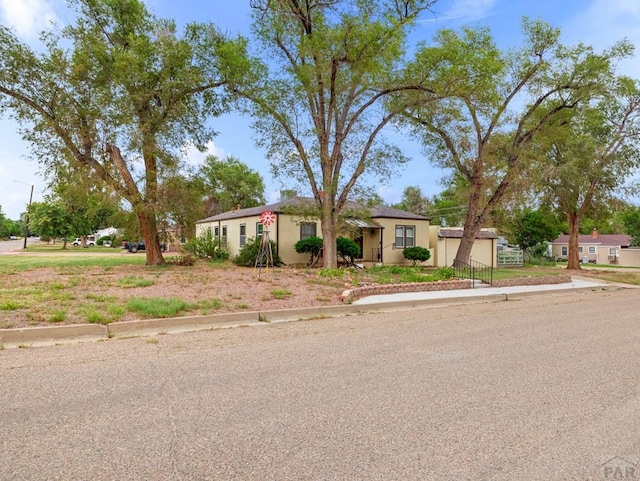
point(120, 92)
point(318, 106)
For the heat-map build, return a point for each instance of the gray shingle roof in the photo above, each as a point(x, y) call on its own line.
point(279, 207)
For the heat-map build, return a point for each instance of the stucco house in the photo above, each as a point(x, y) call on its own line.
point(444, 242)
point(382, 236)
point(599, 249)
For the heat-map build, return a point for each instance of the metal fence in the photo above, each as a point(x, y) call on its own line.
point(476, 271)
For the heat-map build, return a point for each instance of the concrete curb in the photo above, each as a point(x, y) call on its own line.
point(146, 327)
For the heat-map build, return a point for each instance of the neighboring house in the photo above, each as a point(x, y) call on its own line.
point(599, 249)
point(445, 241)
point(107, 231)
point(381, 237)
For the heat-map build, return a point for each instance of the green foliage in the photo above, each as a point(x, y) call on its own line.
point(230, 183)
point(413, 201)
point(119, 73)
point(135, 281)
point(51, 220)
point(416, 254)
point(206, 246)
point(157, 306)
point(248, 255)
point(347, 249)
point(310, 245)
point(632, 225)
point(533, 228)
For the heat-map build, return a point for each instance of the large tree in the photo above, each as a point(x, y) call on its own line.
point(319, 105)
point(119, 92)
point(494, 104)
point(589, 159)
point(230, 184)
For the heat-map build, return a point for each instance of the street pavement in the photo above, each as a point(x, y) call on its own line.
point(540, 388)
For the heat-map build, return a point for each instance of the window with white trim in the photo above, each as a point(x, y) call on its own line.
point(216, 231)
point(259, 229)
point(592, 249)
point(223, 239)
point(405, 236)
point(613, 251)
point(564, 250)
point(579, 249)
point(243, 234)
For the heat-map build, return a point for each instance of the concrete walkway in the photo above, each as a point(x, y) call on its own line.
point(576, 283)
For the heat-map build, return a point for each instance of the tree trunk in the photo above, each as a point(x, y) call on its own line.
point(330, 252)
point(574, 231)
point(472, 225)
point(147, 222)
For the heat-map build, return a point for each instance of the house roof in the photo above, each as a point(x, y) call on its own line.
point(622, 240)
point(457, 234)
point(280, 207)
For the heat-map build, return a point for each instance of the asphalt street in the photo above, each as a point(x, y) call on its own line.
point(541, 388)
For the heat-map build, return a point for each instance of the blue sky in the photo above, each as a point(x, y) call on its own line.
point(596, 22)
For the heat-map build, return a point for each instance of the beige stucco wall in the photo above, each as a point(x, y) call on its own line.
point(286, 230)
point(483, 251)
point(393, 256)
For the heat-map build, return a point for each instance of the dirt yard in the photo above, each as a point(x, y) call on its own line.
point(73, 295)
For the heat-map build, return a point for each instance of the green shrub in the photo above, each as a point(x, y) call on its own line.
point(347, 249)
point(248, 255)
point(206, 246)
point(182, 260)
point(310, 245)
point(416, 254)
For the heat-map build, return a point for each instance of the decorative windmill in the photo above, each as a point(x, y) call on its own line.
point(265, 255)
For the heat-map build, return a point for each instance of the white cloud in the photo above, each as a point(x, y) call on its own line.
point(27, 17)
point(470, 9)
point(194, 157)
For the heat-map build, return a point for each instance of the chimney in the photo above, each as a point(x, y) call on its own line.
point(594, 234)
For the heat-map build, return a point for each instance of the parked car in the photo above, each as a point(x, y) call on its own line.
point(134, 247)
point(78, 242)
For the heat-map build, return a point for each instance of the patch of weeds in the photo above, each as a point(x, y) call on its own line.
point(6, 325)
point(322, 298)
point(263, 318)
point(9, 305)
point(58, 316)
point(331, 273)
point(116, 312)
point(242, 305)
point(234, 296)
point(95, 317)
point(23, 346)
point(157, 306)
point(153, 340)
point(281, 293)
point(211, 304)
point(99, 297)
point(135, 281)
point(1, 347)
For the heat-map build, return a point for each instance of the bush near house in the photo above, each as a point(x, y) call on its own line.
point(347, 249)
point(310, 245)
point(206, 246)
point(248, 255)
point(416, 254)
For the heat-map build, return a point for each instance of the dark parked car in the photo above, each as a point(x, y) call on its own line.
point(140, 246)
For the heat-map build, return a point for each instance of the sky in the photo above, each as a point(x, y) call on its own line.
point(595, 22)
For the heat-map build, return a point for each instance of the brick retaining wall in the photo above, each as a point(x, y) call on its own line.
point(358, 292)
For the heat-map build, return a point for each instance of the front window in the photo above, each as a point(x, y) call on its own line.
point(259, 230)
point(613, 251)
point(592, 249)
point(243, 234)
point(307, 229)
point(223, 239)
point(405, 236)
point(216, 231)
point(580, 250)
point(564, 250)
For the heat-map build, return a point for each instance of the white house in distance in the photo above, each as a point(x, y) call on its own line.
point(599, 249)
